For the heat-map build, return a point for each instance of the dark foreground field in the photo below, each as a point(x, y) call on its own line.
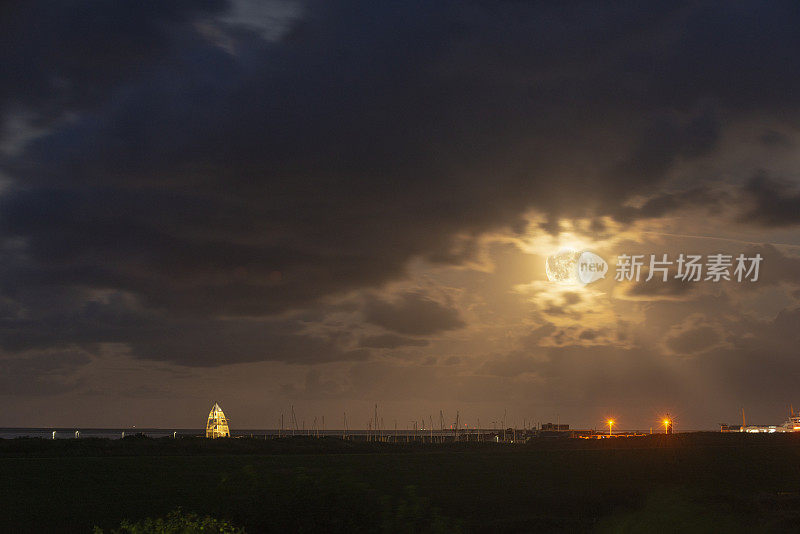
point(691, 482)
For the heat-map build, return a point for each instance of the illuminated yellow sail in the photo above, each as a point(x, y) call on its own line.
point(217, 426)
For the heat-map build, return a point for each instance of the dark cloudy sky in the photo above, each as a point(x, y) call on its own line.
point(336, 203)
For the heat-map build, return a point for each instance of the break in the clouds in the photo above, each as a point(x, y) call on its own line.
point(208, 183)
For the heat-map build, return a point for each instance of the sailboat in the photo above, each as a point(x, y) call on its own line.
point(217, 426)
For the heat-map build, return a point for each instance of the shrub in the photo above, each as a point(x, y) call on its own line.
point(175, 522)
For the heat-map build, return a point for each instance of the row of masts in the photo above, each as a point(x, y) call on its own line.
point(421, 429)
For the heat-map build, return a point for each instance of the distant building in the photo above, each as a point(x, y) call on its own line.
point(217, 426)
point(553, 427)
point(762, 429)
point(792, 424)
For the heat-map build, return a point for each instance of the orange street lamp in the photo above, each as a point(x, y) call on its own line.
point(667, 424)
point(610, 424)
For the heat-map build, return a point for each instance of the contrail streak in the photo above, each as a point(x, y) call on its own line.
point(717, 238)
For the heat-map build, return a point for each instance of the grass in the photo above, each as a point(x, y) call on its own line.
point(695, 483)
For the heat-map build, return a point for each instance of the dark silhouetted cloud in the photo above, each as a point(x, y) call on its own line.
point(693, 340)
point(220, 180)
point(391, 341)
point(773, 203)
point(412, 314)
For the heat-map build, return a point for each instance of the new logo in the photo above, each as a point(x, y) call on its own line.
point(570, 266)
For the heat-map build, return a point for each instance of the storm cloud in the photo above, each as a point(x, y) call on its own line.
point(412, 314)
point(772, 202)
point(206, 188)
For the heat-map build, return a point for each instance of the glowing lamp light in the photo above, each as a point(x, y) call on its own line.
point(667, 424)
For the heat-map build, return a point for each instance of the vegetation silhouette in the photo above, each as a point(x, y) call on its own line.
point(689, 482)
